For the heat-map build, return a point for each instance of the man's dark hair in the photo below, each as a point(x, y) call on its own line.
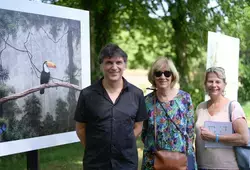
point(112, 50)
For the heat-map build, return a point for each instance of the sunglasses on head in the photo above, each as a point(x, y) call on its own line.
point(166, 73)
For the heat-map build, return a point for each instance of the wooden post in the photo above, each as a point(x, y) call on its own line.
point(32, 160)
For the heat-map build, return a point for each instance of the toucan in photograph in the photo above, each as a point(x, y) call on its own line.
point(45, 74)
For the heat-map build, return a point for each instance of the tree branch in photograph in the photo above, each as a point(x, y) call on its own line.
point(53, 78)
point(55, 41)
point(32, 64)
point(78, 72)
point(31, 56)
point(5, 41)
point(38, 88)
point(3, 49)
point(29, 53)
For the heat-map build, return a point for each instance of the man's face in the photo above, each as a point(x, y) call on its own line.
point(113, 68)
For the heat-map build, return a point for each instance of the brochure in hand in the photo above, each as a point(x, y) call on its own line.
point(220, 128)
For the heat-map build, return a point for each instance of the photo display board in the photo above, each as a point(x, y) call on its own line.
point(223, 51)
point(44, 63)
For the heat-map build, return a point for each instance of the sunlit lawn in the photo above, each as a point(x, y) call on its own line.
point(67, 157)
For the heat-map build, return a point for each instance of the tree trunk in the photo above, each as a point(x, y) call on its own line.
point(71, 98)
point(100, 30)
point(180, 39)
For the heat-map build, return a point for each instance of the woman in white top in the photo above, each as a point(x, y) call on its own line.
point(216, 109)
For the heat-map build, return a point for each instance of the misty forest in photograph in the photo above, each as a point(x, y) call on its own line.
point(40, 74)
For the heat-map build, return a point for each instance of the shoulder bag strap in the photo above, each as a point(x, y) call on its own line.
point(184, 135)
point(154, 103)
point(230, 112)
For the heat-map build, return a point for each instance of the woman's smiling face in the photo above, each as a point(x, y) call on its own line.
point(163, 81)
point(214, 85)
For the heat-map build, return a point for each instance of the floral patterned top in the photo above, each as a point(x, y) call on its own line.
point(180, 110)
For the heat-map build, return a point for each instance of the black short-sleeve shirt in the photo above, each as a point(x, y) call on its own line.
point(110, 140)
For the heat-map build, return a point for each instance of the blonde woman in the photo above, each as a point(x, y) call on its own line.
point(166, 99)
point(216, 109)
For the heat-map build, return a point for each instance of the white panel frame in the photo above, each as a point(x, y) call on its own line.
point(223, 51)
point(24, 145)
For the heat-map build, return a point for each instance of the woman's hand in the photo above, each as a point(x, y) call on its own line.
point(206, 134)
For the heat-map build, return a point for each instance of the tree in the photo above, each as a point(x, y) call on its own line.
point(72, 70)
point(188, 23)
point(14, 130)
point(62, 115)
point(32, 110)
point(100, 15)
point(239, 27)
point(178, 29)
point(9, 109)
point(49, 126)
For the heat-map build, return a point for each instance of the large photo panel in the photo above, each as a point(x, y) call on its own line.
point(223, 51)
point(44, 63)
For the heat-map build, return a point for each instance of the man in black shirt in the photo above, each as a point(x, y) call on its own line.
point(109, 116)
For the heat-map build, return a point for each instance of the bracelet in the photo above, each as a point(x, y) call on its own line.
point(217, 138)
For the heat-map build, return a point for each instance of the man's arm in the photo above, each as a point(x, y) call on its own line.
point(81, 132)
point(141, 115)
point(137, 128)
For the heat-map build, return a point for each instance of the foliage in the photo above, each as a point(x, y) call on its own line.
point(61, 115)
point(31, 126)
point(246, 108)
point(32, 110)
point(14, 130)
point(237, 25)
point(177, 29)
point(3, 122)
point(49, 125)
point(10, 108)
point(241, 29)
point(4, 74)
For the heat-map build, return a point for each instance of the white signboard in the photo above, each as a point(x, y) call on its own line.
point(223, 51)
point(44, 63)
point(220, 128)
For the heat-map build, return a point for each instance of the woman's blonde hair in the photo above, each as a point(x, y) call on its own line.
point(219, 71)
point(157, 65)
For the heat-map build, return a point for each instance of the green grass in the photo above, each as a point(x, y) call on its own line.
point(66, 157)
